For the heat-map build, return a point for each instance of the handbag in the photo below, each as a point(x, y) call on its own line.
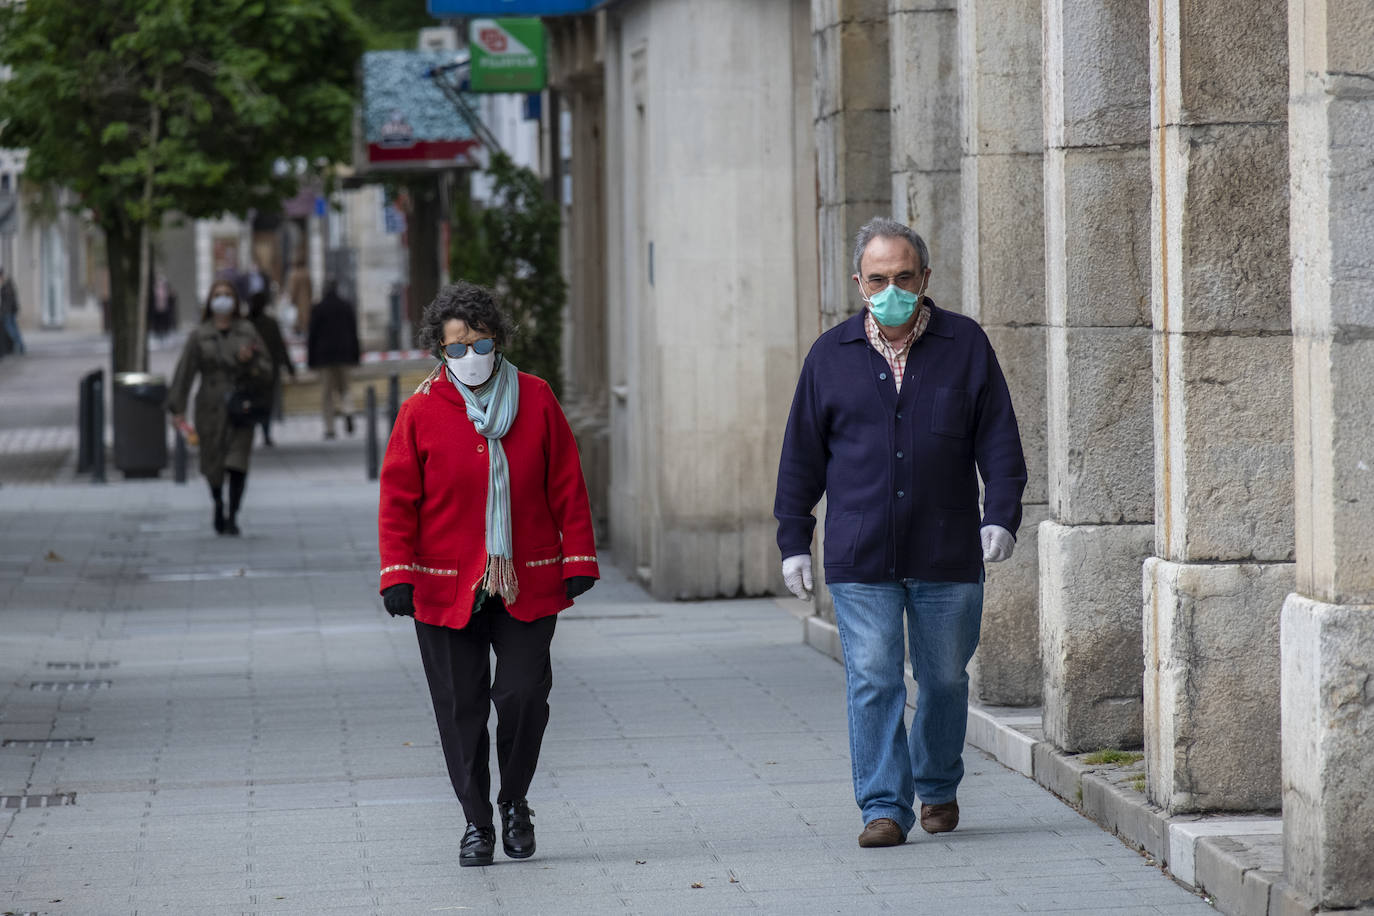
point(246, 406)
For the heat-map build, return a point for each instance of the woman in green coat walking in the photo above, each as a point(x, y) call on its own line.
point(229, 356)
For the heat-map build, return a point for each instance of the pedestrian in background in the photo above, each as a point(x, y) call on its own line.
point(162, 307)
point(485, 534)
point(332, 350)
point(9, 311)
point(897, 412)
point(233, 365)
point(270, 332)
point(299, 292)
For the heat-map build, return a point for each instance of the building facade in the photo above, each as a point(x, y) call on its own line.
point(1159, 213)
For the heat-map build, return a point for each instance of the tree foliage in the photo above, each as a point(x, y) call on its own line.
point(147, 107)
point(512, 247)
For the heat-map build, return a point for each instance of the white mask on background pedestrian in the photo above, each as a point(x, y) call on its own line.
point(222, 305)
point(472, 364)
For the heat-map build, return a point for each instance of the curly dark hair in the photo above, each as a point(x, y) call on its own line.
point(472, 304)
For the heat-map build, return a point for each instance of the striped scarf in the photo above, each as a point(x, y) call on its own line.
point(492, 408)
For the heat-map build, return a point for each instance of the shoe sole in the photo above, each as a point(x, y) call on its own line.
point(519, 855)
point(469, 863)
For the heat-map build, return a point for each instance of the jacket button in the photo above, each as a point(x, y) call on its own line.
point(899, 415)
point(901, 493)
point(882, 375)
point(899, 454)
point(481, 447)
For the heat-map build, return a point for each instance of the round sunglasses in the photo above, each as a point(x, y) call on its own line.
point(480, 347)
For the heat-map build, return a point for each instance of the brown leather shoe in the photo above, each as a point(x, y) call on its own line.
point(882, 831)
point(941, 818)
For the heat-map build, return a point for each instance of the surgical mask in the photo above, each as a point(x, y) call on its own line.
point(892, 306)
point(222, 305)
point(472, 368)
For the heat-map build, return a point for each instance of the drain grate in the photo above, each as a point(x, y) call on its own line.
point(46, 742)
point(81, 666)
point(68, 686)
point(60, 800)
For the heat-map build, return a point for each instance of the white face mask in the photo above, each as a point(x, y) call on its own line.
point(222, 305)
point(472, 368)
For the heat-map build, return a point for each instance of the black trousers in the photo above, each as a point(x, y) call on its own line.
point(458, 668)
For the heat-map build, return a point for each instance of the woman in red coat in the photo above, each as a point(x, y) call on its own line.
point(485, 535)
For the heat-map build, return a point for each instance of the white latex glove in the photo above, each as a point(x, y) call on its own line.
point(997, 544)
point(796, 572)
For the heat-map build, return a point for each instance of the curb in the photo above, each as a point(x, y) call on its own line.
point(1235, 861)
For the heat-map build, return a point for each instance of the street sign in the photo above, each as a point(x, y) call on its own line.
point(444, 8)
point(507, 55)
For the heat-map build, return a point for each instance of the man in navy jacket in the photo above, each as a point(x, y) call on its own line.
point(897, 412)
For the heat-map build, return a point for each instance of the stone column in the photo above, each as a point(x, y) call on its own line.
point(1328, 623)
point(852, 138)
point(577, 71)
point(1097, 282)
point(1004, 283)
point(923, 38)
point(1223, 404)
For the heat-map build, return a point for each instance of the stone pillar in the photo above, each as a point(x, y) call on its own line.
point(1223, 404)
point(1097, 282)
point(852, 138)
point(1328, 623)
point(577, 71)
point(1004, 282)
point(926, 146)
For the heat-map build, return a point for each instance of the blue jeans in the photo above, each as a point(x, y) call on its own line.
point(943, 619)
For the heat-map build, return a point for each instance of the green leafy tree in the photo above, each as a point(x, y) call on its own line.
point(512, 247)
point(151, 107)
point(393, 24)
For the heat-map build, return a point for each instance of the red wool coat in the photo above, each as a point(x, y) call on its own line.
point(432, 517)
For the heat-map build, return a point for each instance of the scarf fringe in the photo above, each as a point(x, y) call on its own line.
point(499, 579)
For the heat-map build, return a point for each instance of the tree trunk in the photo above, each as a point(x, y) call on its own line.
point(128, 333)
point(422, 236)
point(145, 232)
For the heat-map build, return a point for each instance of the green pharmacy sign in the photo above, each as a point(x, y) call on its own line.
point(507, 55)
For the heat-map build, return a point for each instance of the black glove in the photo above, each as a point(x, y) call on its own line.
point(576, 585)
point(399, 600)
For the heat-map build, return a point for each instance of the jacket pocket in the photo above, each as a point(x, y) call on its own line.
point(842, 537)
point(951, 414)
point(436, 582)
point(953, 539)
point(540, 573)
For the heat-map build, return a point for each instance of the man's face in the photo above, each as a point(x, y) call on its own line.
point(890, 260)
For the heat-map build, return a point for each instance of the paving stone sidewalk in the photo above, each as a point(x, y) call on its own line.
point(246, 731)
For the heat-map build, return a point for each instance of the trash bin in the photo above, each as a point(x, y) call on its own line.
point(139, 401)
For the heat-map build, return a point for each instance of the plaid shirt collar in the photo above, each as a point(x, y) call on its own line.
point(890, 351)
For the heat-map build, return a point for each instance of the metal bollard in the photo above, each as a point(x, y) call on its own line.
point(98, 428)
point(83, 424)
point(372, 449)
point(179, 458)
point(393, 400)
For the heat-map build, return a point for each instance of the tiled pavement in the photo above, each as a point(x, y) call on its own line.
point(260, 738)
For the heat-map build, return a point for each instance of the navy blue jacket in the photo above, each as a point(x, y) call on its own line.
point(900, 472)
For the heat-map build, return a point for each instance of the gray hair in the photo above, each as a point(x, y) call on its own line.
point(882, 226)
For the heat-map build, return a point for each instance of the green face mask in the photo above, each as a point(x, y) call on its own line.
point(892, 306)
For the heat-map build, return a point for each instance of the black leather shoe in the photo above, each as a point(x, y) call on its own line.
point(479, 846)
point(517, 830)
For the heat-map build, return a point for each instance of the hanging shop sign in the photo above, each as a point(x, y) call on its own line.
point(445, 8)
point(408, 123)
point(507, 55)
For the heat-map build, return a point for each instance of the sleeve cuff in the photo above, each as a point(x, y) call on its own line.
point(582, 565)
